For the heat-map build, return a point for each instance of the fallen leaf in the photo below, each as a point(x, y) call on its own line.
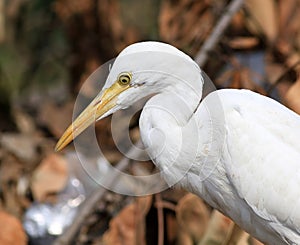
point(255, 242)
point(24, 121)
point(128, 227)
point(50, 177)
point(192, 216)
point(11, 232)
point(22, 146)
point(11, 169)
point(237, 237)
point(218, 229)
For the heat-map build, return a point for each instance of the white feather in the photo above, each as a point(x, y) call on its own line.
point(238, 150)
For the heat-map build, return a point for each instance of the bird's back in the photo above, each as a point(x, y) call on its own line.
point(261, 159)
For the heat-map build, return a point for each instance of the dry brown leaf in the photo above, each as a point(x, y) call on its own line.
point(218, 229)
point(50, 177)
point(22, 146)
point(11, 232)
point(255, 242)
point(184, 238)
point(128, 227)
point(11, 177)
point(192, 216)
point(292, 97)
point(237, 237)
point(240, 237)
point(24, 121)
point(263, 13)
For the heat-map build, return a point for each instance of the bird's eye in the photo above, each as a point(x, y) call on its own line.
point(124, 78)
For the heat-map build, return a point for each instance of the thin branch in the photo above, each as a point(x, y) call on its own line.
point(166, 205)
point(281, 77)
point(210, 43)
point(160, 218)
point(88, 205)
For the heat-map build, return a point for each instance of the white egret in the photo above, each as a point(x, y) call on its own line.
point(249, 170)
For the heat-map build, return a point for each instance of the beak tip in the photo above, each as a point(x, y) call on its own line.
point(57, 148)
point(65, 139)
point(61, 144)
point(84, 120)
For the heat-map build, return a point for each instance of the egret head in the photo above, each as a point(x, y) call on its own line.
point(140, 69)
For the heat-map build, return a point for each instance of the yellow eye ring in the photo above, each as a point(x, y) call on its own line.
point(124, 78)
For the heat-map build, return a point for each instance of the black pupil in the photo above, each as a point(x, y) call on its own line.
point(125, 79)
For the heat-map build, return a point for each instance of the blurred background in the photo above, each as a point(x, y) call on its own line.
point(49, 48)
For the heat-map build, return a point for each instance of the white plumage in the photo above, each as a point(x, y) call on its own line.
point(237, 150)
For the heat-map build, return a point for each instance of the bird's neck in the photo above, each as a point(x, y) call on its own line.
point(183, 97)
point(167, 130)
point(183, 135)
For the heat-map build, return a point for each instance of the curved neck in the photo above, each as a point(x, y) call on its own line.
point(179, 131)
point(166, 129)
point(183, 97)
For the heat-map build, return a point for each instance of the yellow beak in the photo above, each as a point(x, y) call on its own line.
point(98, 107)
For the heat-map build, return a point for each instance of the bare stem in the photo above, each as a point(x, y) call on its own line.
point(88, 205)
point(160, 218)
point(213, 39)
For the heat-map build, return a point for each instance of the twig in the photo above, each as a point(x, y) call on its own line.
point(160, 218)
point(166, 204)
point(90, 202)
point(218, 31)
